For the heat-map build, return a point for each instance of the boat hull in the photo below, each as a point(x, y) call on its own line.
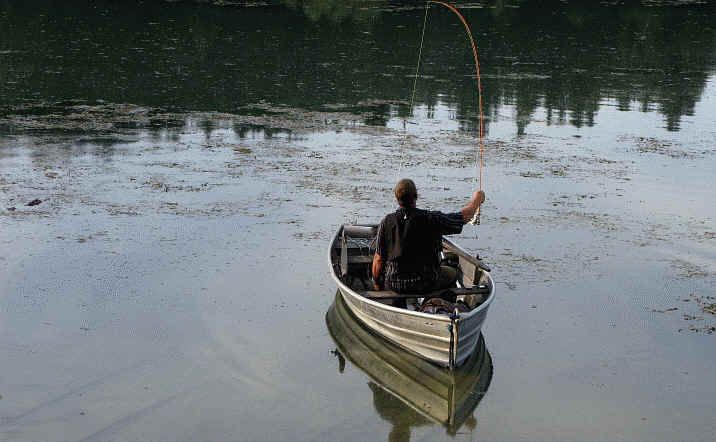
point(444, 396)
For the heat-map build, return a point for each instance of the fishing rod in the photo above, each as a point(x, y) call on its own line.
point(476, 218)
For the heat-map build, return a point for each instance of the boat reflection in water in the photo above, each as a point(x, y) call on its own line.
point(407, 390)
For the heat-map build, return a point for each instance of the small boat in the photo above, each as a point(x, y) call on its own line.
point(404, 383)
point(447, 340)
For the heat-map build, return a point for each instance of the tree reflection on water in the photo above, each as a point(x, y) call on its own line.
point(568, 59)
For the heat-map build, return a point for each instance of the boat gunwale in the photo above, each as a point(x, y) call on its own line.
point(405, 312)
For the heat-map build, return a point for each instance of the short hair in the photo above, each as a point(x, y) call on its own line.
point(405, 192)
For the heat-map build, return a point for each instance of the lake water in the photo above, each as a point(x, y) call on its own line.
point(193, 161)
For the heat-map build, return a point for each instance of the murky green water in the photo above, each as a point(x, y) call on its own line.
point(193, 161)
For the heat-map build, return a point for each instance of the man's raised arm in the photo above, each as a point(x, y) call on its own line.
point(469, 211)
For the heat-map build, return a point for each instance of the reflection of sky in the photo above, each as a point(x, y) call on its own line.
point(705, 109)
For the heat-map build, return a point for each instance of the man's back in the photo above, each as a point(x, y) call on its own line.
point(409, 240)
point(407, 256)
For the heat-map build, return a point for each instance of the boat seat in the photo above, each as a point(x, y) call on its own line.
point(356, 231)
point(360, 259)
point(389, 294)
point(356, 256)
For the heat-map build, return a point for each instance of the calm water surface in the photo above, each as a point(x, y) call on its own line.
point(193, 162)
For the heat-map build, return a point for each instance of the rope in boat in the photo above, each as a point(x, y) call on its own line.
point(476, 218)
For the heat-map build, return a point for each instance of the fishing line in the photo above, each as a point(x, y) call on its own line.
point(415, 83)
point(478, 169)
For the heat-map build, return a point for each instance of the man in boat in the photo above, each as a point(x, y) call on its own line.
point(409, 241)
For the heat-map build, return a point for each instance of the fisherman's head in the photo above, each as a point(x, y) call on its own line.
point(406, 193)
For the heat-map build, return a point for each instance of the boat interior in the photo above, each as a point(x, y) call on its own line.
point(352, 258)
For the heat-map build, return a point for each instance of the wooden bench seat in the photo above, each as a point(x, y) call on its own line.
point(360, 259)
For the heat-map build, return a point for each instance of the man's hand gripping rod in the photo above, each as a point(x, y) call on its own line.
point(475, 221)
point(474, 208)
